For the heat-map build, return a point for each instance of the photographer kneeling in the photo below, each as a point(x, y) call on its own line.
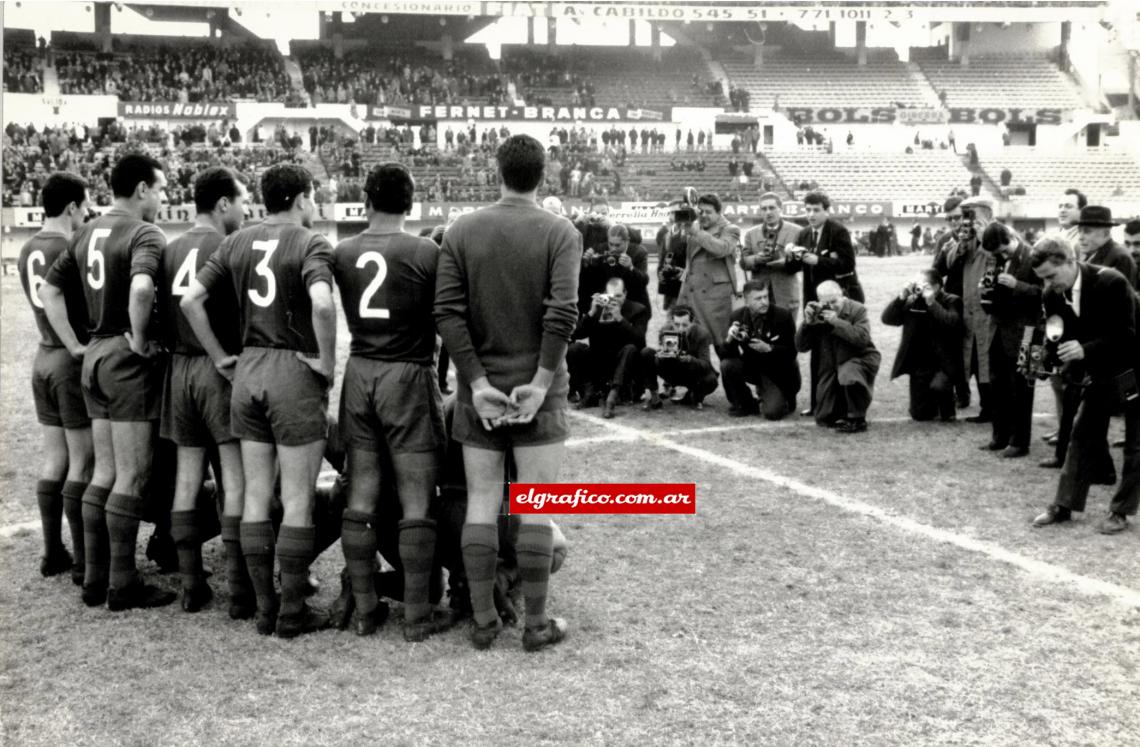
point(931, 348)
point(838, 330)
point(760, 349)
point(615, 328)
point(683, 360)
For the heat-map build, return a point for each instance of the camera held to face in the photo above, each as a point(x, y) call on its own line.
point(813, 311)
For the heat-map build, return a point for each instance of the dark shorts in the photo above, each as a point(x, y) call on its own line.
point(278, 399)
point(120, 385)
point(548, 427)
point(56, 389)
point(196, 406)
point(391, 405)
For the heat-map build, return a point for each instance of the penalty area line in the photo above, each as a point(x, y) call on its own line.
point(1037, 569)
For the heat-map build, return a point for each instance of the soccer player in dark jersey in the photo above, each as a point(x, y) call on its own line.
point(116, 259)
point(56, 391)
point(196, 408)
point(506, 305)
point(281, 273)
point(390, 398)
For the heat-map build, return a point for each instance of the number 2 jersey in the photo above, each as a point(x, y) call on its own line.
point(103, 256)
point(181, 263)
point(269, 268)
point(387, 288)
point(36, 258)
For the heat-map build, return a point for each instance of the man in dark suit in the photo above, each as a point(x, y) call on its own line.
point(1011, 295)
point(931, 348)
point(1099, 345)
point(950, 264)
point(615, 327)
point(1095, 247)
point(618, 257)
point(823, 251)
point(760, 349)
point(682, 359)
point(838, 331)
point(672, 251)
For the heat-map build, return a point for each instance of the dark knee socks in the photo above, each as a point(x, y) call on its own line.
point(535, 551)
point(236, 574)
point(123, 515)
point(480, 559)
point(187, 538)
point(50, 501)
point(73, 509)
point(257, 543)
point(294, 552)
point(358, 540)
point(96, 544)
point(417, 549)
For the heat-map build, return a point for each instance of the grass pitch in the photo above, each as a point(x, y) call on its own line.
point(770, 617)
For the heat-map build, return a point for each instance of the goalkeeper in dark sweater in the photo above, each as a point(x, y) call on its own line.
point(506, 306)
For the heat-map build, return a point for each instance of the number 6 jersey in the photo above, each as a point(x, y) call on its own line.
point(104, 255)
point(387, 288)
point(269, 268)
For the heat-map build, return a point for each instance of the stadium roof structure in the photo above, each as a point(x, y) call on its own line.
point(1012, 11)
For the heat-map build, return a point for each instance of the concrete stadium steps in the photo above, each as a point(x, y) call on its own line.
point(1047, 174)
point(919, 177)
point(986, 83)
point(813, 82)
point(666, 184)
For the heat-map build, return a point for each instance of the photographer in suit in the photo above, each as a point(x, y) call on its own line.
point(1099, 348)
point(1095, 247)
point(978, 329)
point(823, 251)
point(930, 351)
point(837, 331)
point(620, 256)
point(764, 257)
point(672, 248)
point(615, 327)
point(709, 284)
point(950, 264)
point(682, 359)
point(1010, 292)
point(760, 349)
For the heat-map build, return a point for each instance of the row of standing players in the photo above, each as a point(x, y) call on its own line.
point(223, 342)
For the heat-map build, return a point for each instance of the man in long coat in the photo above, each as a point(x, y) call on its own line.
point(710, 282)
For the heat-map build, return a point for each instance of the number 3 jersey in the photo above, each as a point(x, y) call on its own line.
point(387, 287)
point(181, 263)
point(36, 258)
point(103, 256)
point(269, 268)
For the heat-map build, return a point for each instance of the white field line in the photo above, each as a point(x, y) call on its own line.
point(1037, 569)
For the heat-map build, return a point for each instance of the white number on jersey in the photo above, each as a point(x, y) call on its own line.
point(95, 258)
point(262, 269)
point(366, 310)
point(185, 275)
point(35, 281)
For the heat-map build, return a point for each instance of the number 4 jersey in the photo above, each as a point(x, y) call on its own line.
point(387, 286)
point(103, 256)
point(269, 268)
point(181, 263)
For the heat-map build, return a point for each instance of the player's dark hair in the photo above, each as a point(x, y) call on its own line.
point(281, 183)
point(680, 310)
point(390, 188)
point(996, 236)
point(132, 169)
point(60, 190)
point(1132, 227)
point(755, 286)
point(932, 277)
point(522, 161)
point(1082, 201)
point(818, 198)
point(212, 185)
point(710, 199)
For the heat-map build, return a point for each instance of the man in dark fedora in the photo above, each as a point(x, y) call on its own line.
point(1095, 246)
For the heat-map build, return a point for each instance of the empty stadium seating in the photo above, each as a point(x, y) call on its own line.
point(1046, 174)
point(808, 81)
point(923, 176)
point(986, 82)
